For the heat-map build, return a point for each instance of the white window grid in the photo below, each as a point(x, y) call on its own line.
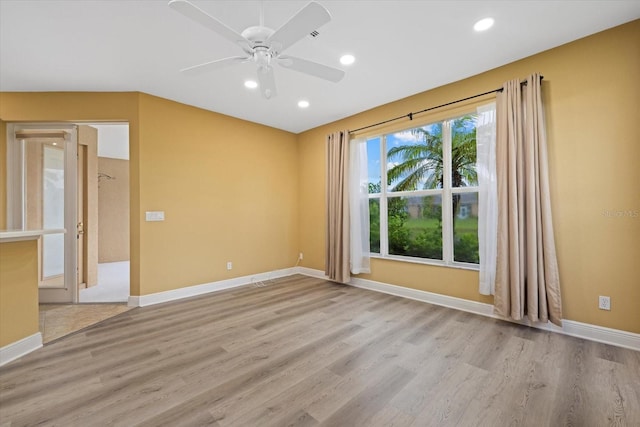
point(446, 194)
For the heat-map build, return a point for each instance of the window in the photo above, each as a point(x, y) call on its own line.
point(428, 208)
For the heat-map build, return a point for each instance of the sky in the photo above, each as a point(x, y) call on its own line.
point(392, 140)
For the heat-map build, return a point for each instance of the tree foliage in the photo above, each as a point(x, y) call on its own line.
point(424, 162)
point(421, 167)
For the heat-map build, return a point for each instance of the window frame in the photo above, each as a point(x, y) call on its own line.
point(446, 193)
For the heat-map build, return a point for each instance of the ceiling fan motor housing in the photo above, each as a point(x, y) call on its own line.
point(260, 46)
point(257, 35)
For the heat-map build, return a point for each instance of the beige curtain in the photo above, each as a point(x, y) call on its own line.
point(337, 206)
point(527, 280)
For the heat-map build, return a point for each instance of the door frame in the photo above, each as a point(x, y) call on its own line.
point(16, 196)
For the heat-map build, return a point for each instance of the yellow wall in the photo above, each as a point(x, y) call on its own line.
point(227, 186)
point(18, 291)
point(229, 192)
point(3, 162)
point(592, 96)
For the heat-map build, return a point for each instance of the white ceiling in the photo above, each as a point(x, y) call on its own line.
point(402, 48)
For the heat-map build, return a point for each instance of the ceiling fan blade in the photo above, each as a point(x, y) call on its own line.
point(308, 19)
point(311, 68)
point(193, 12)
point(267, 82)
point(214, 65)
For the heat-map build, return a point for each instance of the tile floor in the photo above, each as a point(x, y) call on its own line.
point(107, 299)
point(58, 320)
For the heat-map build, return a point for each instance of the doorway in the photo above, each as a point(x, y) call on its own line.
point(113, 216)
point(52, 183)
point(41, 194)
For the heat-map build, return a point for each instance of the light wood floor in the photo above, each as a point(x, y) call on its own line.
point(303, 351)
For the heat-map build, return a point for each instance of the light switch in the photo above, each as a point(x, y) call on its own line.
point(155, 216)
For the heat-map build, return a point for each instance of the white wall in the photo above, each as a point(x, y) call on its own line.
point(113, 140)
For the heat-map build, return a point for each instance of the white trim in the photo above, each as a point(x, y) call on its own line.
point(311, 272)
point(573, 328)
point(190, 291)
point(427, 261)
point(446, 202)
point(70, 293)
point(383, 201)
point(590, 332)
point(424, 296)
point(19, 235)
point(11, 352)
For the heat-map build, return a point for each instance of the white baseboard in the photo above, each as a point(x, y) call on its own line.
point(19, 348)
point(594, 333)
point(190, 291)
point(430, 297)
point(311, 272)
point(569, 327)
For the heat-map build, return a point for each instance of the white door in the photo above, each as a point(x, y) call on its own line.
point(42, 194)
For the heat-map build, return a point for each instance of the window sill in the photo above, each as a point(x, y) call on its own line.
point(424, 261)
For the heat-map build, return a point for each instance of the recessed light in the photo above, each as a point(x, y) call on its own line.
point(250, 84)
point(347, 59)
point(303, 104)
point(483, 24)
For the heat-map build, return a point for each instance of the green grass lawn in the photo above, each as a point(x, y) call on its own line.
point(464, 242)
point(463, 226)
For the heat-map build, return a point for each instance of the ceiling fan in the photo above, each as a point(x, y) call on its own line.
point(263, 45)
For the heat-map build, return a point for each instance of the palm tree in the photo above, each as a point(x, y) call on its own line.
point(424, 162)
point(418, 162)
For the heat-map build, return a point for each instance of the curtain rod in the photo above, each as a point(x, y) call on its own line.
point(410, 115)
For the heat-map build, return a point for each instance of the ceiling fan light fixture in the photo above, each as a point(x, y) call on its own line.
point(303, 103)
point(347, 59)
point(262, 57)
point(483, 24)
point(250, 84)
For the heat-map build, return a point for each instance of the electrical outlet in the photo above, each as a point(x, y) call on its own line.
point(604, 303)
point(229, 265)
point(301, 256)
